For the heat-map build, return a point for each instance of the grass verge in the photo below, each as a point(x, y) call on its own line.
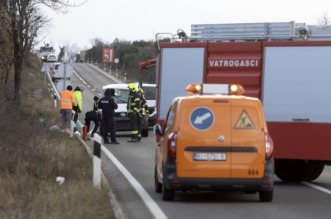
point(32, 156)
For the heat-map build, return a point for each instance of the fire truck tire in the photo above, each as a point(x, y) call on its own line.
point(157, 185)
point(293, 170)
point(266, 196)
point(316, 172)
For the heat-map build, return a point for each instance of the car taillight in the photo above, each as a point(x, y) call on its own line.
point(172, 144)
point(53, 72)
point(269, 146)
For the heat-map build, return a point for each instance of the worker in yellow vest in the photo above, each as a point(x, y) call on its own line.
point(78, 107)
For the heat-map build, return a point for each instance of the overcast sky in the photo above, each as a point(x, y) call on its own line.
point(142, 19)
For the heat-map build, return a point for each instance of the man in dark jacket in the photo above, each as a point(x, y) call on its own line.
point(108, 106)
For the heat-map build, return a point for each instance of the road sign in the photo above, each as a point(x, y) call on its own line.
point(62, 85)
point(202, 118)
point(65, 70)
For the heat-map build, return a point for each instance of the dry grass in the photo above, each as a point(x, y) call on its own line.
point(32, 156)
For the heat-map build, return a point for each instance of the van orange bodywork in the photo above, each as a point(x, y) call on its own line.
point(233, 144)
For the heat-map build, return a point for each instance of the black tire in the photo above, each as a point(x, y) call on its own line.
point(316, 172)
point(293, 170)
point(144, 132)
point(167, 194)
point(157, 185)
point(266, 196)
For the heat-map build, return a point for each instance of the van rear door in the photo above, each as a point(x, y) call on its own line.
point(248, 144)
point(204, 138)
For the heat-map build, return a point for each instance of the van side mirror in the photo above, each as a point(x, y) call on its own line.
point(158, 130)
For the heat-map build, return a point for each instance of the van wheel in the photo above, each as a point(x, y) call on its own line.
point(157, 185)
point(167, 195)
point(266, 196)
point(144, 132)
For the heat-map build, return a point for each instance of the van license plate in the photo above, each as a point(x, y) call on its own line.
point(209, 156)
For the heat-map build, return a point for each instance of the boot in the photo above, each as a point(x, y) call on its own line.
point(133, 140)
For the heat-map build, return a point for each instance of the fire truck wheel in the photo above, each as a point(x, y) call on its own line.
point(316, 172)
point(294, 170)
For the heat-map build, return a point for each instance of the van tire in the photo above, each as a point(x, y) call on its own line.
point(144, 132)
point(157, 185)
point(167, 194)
point(266, 196)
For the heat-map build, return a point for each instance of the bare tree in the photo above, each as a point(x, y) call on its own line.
point(324, 20)
point(24, 21)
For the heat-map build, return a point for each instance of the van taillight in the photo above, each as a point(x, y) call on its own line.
point(172, 144)
point(269, 146)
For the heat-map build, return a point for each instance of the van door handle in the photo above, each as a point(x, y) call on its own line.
point(300, 119)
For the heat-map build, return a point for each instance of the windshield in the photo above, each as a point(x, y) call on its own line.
point(121, 95)
point(149, 93)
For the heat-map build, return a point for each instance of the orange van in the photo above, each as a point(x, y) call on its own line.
point(214, 140)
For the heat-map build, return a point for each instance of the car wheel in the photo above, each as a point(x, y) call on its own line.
point(266, 196)
point(157, 185)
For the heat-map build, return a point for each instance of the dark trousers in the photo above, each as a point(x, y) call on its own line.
point(108, 125)
point(134, 125)
point(92, 116)
point(139, 124)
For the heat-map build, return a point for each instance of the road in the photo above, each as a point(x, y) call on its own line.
point(136, 163)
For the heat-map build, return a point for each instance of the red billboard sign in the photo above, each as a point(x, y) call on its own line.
point(108, 55)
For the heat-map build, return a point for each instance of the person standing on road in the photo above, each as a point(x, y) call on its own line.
point(133, 108)
point(108, 105)
point(94, 116)
point(143, 111)
point(79, 103)
point(66, 103)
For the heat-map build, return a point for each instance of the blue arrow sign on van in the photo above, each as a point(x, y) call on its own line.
point(202, 118)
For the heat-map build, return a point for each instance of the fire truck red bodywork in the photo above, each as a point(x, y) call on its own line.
point(244, 63)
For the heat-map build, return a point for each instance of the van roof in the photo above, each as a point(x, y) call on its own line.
point(215, 96)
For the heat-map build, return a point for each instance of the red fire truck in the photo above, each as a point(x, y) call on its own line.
point(287, 65)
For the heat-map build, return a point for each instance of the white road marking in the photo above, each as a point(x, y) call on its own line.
point(149, 202)
point(320, 188)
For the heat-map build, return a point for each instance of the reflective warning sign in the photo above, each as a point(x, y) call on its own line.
point(244, 121)
point(202, 118)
